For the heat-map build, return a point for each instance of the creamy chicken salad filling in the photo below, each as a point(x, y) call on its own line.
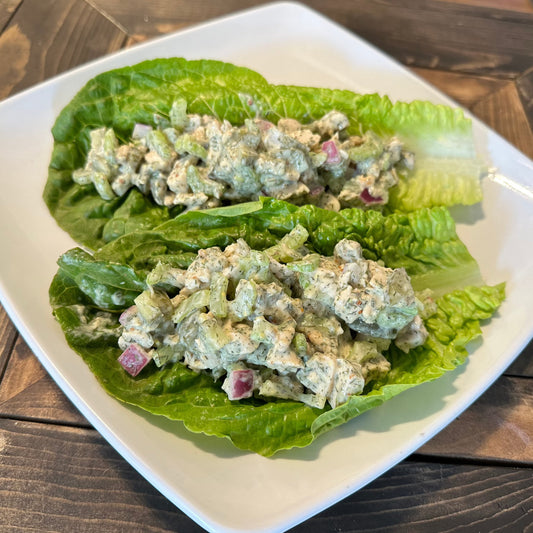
point(282, 323)
point(198, 162)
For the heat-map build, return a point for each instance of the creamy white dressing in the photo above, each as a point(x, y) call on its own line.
point(275, 327)
point(200, 162)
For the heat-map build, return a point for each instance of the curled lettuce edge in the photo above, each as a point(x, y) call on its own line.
point(447, 171)
point(263, 427)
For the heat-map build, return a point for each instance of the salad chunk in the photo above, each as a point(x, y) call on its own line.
point(197, 161)
point(281, 323)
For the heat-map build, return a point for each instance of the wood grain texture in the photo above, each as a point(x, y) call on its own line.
point(498, 426)
point(503, 111)
point(427, 498)
point(142, 20)
point(465, 89)
point(45, 38)
point(523, 6)
point(443, 35)
point(523, 365)
point(8, 334)
point(7, 8)
point(455, 37)
point(524, 85)
point(79, 483)
point(28, 392)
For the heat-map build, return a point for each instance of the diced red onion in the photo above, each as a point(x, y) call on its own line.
point(332, 152)
point(369, 199)
point(140, 131)
point(263, 125)
point(133, 359)
point(240, 384)
point(316, 191)
point(127, 315)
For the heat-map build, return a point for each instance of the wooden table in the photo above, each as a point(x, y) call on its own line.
point(476, 475)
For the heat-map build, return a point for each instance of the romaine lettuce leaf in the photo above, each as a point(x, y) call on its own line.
point(423, 241)
point(440, 136)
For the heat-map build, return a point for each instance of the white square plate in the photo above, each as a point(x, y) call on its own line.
point(220, 487)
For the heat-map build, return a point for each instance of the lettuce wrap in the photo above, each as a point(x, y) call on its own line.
point(446, 173)
point(91, 290)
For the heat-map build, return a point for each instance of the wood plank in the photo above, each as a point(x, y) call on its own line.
point(524, 6)
point(443, 35)
point(523, 365)
point(427, 497)
point(524, 85)
point(7, 8)
point(503, 111)
point(498, 426)
point(456, 37)
point(57, 478)
point(465, 89)
point(8, 334)
point(144, 20)
point(46, 38)
point(28, 392)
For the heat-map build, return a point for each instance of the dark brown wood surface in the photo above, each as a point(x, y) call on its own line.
point(476, 475)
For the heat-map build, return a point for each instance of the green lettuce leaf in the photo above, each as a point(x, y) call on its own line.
point(256, 425)
point(424, 242)
point(440, 136)
point(108, 285)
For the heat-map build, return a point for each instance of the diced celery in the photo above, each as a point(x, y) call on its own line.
point(256, 266)
point(200, 184)
point(171, 134)
point(371, 147)
point(197, 300)
point(185, 144)
point(286, 249)
point(318, 158)
point(102, 185)
point(385, 161)
point(167, 354)
point(363, 351)
point(212, 333)
point(82, 176)
point(97, 139)
point(178, 114)
point(329, 324)
point(308, 264)
point(110, 143)
point(161, 121)
point(158, 188)
point(153, 306)
point(263, 330)
point(217, 301)
point(166, 275)
point(245, 298)
point(396, 317)
point(159, 142)
point(245, 181)
point(299, 344)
